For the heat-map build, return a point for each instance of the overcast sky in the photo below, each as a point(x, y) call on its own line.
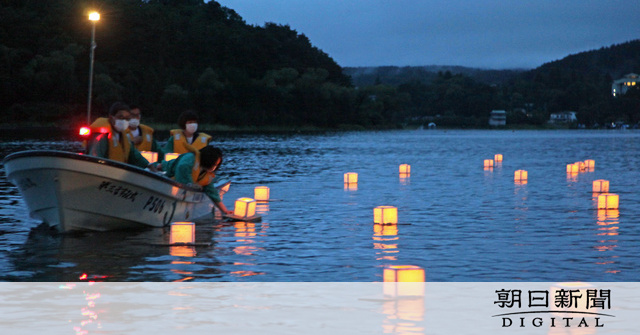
point(494, 34)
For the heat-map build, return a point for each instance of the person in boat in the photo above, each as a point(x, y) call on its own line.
point(187, 138)
point(197, 169)
point(112, 141)
point(142, 135)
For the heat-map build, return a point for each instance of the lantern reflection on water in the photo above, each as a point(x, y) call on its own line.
point(403, 280)
point(182, 233)
point(261, 193)
point(385, 215)
point(150, 156)
point(600, 186)
point(245, 208)
point(350, 178)
point(608, 201)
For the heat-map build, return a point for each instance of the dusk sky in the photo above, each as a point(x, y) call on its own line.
point(493, 34)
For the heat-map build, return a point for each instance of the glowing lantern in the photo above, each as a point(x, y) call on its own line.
point(497, 157)
point(600, 186)
point(245, 208)
point(350, 178)
point(170, 156)
point(151, 156)
point(608, 201)
point(182, 233)
point(590, 164)
point(385, 215)
point(405, 169)
point(403, 280)
point(573, 168)
point(520, 175)
point(261, 193)
point(581, 166)
point(488, 163)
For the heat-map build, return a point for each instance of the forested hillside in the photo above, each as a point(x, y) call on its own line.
point(171, 55)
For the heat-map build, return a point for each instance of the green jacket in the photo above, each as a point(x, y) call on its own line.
point(100, 149)
point(181, 168)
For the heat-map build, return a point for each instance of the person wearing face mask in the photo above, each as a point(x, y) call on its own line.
point(112, 141)
point(142, 135)
point(187, 138)
point(197, 169)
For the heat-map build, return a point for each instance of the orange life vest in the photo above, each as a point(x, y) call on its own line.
point(146, 133)
point(181, 146)
point(119, 148)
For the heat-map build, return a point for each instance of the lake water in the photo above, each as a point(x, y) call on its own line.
point(457, 220)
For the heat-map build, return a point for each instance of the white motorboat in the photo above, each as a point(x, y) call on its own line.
point(80, 192)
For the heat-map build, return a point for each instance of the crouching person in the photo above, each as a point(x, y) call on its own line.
point(198, 170)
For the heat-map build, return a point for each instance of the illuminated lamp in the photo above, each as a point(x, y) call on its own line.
point(171, 156)
point(94, 16)
point(497, 157)
point(151, 156)
point(403, 280)
point(573, 168)
point(405, 169)
point(350, 178)
point(590, 164)
point(385, 215)
point(84, 131)
point(182, 232)
point(488, 163)
point(245, 208)
point(261, 193)
point(520, 175)
point(581, 166)
point(600, 186)
point(608, 201)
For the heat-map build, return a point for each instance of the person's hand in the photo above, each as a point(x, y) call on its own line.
point(228, 212)
point(155, 167)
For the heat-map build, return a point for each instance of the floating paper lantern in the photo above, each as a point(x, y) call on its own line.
point(245, 208)
point(350, 178)
point(182, 233)
point(573, 168)
point(403, 280)
point(261, 193)
point(151, 156)
point(590, 164)
point(608, 201)
point(488, 163)
point(405, 169)
point(600, 186)
point(497, 157)
point(170, 156)
point(581, 166)
point(521, 175)
point(385, 215)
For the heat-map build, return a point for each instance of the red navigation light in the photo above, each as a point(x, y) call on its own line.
point(85, 131)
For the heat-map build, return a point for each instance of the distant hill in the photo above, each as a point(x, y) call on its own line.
point(395, 75)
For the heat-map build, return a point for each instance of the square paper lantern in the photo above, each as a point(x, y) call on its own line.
point(151, 156)
point(405, 169)
point(590, 164)
point(261, 193)
point(520, 175)
point(170, 156)
point(245, 208)
point(581, 166)
point(488, 163)
point(497, 157)
point(608, 201)
point(600, 186)
point(573, 168)
point(182, 233)
point(385, 215)
point(350, 178)
point(403, 280)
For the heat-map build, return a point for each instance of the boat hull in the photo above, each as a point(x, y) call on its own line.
point(76, 192)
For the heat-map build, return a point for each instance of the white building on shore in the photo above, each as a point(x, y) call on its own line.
point(498, 118)
point(622, 85)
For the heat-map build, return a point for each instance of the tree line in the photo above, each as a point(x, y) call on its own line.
point(170, 55)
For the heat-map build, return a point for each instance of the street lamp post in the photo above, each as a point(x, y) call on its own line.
point(93, 17)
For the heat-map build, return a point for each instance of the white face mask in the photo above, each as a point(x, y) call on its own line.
point(134, 123)
point(121, 125)
point(191, 127)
